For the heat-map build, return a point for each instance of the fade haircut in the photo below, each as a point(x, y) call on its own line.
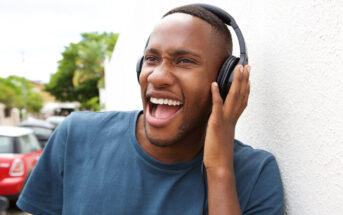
point(217, 24)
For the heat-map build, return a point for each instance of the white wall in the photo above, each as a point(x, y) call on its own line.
point(296, 105)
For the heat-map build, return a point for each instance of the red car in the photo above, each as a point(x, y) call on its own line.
point(19, 153)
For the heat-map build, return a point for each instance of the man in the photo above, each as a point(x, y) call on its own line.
point(150, 162)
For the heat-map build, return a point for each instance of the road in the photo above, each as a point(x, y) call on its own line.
point(13, 210)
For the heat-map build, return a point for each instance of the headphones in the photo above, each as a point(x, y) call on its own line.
point(225, 74)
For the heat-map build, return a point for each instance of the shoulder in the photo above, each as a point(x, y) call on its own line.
point(258, 180)
point(252, 163)
point(84, 125)
point(245, 154)
point(86, 116)
point(85, 119)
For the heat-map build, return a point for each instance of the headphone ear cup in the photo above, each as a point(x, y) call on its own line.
point(225, 75)
point(139, 66)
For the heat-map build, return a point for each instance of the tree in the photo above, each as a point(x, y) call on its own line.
point(8, 96)
point(80, 72)
point(34, 102)
point(61, 83)
point(91, 61)
point(18, 92)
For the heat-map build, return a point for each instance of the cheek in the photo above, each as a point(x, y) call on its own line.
point(143, 86)
point(201, 90)
point(142, 77)
point(198, 94)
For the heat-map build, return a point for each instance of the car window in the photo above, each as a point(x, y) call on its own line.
point(28, 143)
point(6, 145)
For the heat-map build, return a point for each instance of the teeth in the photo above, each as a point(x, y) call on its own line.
point(165, 101)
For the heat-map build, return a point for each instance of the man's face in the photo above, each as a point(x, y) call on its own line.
point(180, 63)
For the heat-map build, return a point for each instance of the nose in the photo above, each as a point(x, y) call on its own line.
point(161, 75)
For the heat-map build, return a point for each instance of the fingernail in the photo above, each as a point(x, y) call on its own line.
point(249, 69)
point(241, 69)
point(215, 84)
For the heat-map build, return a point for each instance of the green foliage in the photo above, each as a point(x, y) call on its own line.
point(87, 90)
point(35, 102)
point(8, 96)
point(91, 61)
point(61, 83)
point(91, 104)
point(110, 39)
point(81, 70)
point(18, 92)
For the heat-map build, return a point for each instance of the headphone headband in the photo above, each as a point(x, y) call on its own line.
point(229, 20)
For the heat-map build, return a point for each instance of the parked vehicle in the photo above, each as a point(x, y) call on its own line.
point(55, 120)
point(42, 129)
point(19, 153)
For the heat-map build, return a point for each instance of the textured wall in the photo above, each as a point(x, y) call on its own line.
point(296, 105)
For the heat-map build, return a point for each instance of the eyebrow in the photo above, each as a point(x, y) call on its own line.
point(152, 50)
point(184, 52)
point(174, 53)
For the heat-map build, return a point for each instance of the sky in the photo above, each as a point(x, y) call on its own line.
point(34, 33)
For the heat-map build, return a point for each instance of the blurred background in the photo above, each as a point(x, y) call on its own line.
point(52, 56)
point(60, 56)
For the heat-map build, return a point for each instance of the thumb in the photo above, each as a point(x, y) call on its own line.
point(217, 101)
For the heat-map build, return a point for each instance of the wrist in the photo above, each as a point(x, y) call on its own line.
point(221, 172)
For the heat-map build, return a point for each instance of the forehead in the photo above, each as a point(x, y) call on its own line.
point(184, 31)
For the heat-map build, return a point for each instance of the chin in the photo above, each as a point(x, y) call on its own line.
point(163, 138)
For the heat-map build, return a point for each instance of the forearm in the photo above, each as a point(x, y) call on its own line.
point(222, 194)
point(219, 144)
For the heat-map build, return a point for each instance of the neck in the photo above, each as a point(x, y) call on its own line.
point(182, 151)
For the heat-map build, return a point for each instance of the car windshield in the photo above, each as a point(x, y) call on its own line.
point(6, 145)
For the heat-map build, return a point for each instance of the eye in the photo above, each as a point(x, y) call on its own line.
point(150, 59)
point(186, 61)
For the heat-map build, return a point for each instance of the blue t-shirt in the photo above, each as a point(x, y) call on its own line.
point(93, 164)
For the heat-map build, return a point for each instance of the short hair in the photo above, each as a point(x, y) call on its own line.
point(209, 17)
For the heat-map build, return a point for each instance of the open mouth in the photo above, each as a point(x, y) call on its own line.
point(160, 111)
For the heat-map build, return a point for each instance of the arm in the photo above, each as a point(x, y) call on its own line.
point(218, 149)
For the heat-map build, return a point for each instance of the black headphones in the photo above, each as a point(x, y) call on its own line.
point(225, 74)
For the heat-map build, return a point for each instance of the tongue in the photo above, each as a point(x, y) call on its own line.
point(165, 111)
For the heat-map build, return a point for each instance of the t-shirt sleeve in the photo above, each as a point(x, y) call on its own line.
point(43, 192)
point(267, 195)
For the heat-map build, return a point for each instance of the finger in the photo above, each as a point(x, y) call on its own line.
point(234, 91)
point(245, 102)
point(241, 103)
point(217, 101)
